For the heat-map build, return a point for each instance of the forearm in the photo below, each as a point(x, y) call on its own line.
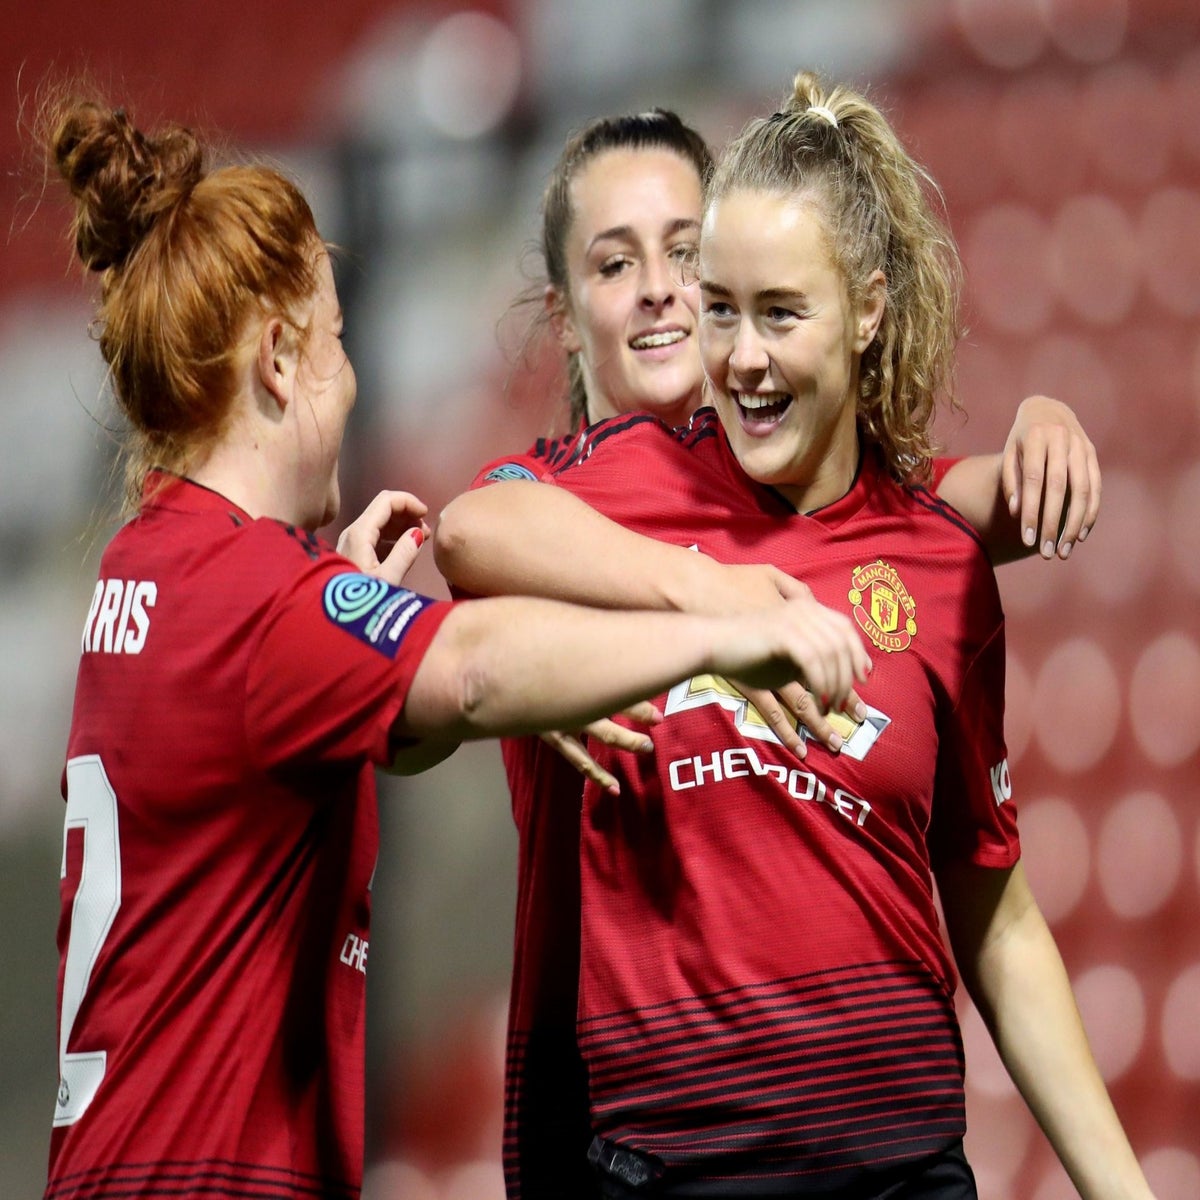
point(511, 665)
point(535, 539)
point(1018, 982)
point(515, 665)
point(974, 487)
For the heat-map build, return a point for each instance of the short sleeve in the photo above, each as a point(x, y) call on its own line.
point(939, 468)
point(974, 819)
point(521, 467)
point(334, 665)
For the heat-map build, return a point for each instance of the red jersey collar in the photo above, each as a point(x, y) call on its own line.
point(836, 512)
point(162, 489)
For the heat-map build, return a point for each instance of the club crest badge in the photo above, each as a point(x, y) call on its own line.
point(884, 610)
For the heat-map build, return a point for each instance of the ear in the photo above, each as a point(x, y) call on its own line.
point(558, 310)
point(277, 360)
point(870, 311)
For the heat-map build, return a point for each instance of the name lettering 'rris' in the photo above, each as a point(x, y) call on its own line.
point(118, 620)
point(742, 761)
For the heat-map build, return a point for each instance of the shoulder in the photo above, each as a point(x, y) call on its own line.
point(644, 435)
point(941, 561)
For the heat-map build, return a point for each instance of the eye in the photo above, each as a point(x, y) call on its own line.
point(719, 310)
point(614, 266)
point(685, 262)
point(778, 315)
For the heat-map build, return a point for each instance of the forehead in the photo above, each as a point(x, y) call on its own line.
point(762, 232)
point(634, 187)
point(325, 296)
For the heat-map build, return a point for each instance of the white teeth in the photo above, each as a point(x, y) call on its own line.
point(650, 340)
point(762, 399)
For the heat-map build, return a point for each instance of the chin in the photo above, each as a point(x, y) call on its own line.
point(676, 408)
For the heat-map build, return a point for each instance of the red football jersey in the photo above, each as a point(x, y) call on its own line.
point(765, 994)
point(237, 681)
point(547, 1126)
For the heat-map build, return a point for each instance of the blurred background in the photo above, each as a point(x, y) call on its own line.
point(1066, 134)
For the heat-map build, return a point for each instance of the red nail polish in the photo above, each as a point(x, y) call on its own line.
point(418, 537)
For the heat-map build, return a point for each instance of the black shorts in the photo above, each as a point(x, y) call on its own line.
point(943, 1176)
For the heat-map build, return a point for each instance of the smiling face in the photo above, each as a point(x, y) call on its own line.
point(325, 389)
point(636, 218)
point(781, 343)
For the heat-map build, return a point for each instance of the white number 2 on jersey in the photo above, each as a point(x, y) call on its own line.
point(92, 805)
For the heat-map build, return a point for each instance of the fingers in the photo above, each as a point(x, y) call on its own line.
point(397, 512)
point(1084, 505)
point(829, 653)
point(1051, 474)
point(1010, 477)
point(1055, 472)
point(803, 705)
point(790, 588)
point(402, 556)
point(1033, 469)
point(1092, 511)
point(389, 517)
point(572, 750)
point(773, 712)
point(612, 734)
point(644, 713)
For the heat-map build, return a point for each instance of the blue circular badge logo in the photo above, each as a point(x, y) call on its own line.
point(351, 596)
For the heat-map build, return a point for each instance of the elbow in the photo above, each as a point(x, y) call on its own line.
point(450, 546)
point(456, 696)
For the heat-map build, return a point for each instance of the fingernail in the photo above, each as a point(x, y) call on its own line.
point(1012, 506)
point(824, 700)
point(418, 537)
point(860, 711)
point(1083, 533)
point(1047, 549)
point(835, 742)
point(646, 746)
point(613, 789)
point(1028, 536)
point(1065, 552)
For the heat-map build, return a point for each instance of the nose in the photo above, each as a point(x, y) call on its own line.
point(658, 285)
point(748, 355)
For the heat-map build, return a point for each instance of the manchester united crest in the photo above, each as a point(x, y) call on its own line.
point(884, 610)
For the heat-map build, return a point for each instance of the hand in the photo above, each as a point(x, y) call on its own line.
point(1049, 462)
point(611, 734)
point(737, 588)
point(392, 517)
point(790, 706)
point(803, 637)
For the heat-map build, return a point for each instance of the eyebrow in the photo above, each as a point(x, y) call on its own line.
point(794, 295)
point(626, 231)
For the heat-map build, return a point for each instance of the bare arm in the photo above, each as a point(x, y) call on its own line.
point(514, 665)
point(1041, 492)
point(1014, 973)
point(539, 540)
point(534, 539)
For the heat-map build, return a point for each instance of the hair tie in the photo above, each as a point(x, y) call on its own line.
point(824, 113)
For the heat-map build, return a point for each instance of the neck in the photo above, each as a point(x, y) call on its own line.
point(243, 474)
point(829, 478)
